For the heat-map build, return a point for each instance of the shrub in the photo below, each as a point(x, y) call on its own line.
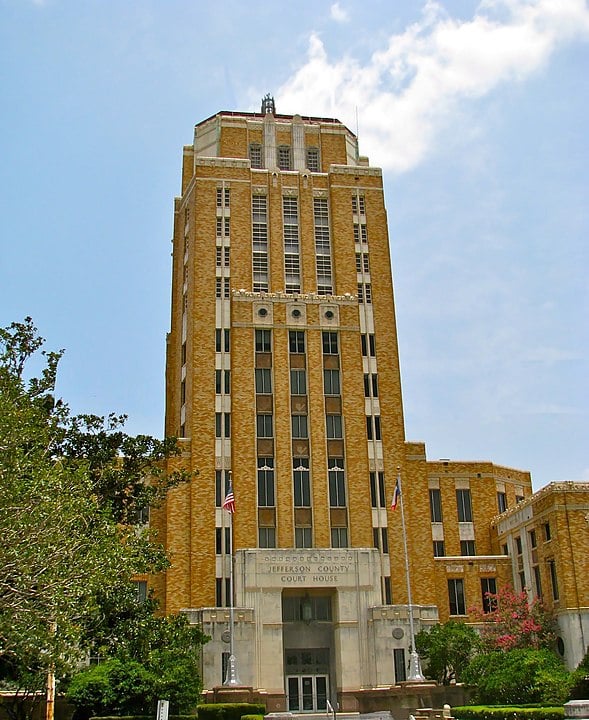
point(229, 711)
point(519, 676)
point(507, 712)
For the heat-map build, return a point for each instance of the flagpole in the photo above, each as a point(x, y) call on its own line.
point(232, 676)
point(415, 674)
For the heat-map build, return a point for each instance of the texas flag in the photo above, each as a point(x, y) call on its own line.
point(396, 496)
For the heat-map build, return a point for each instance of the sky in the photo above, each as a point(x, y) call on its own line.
point(476, 112)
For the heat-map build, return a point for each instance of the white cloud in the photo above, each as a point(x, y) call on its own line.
point(408, 90)
point(338, 13)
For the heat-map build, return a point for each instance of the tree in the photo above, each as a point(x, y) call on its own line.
point(514, 622)
point(447, 648)
point(70, 491)
point(144, 657)
point(519, 676)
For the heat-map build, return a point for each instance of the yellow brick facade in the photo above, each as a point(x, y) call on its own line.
point(234, 287)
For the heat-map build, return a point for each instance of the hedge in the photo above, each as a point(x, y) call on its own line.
point(507, 712)
point(229, 711)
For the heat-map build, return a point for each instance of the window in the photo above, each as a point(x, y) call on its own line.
point(267, 537)
point(380, 539)
point(377, 490)
point(370, 385)
point(519, 499)
point(221, 340)
point(222, 381)
point(488, 586)
point(337, 483)
point(221, 487)
point(141, 590)
point(388, 596)
point(373, 427)
point(368, 345)
point(501, 501)
point(360, 233)
point(364, 293)
point(313, 159)
point(266, 482)
point(333, 425)
point(263, 381)
point(290, 216)
point(537, 580)
point(329, 343)
point(284, 158)
point(456, 596)
point(467, 547)
point(223, 195)
point(218, 287)
point(301, 482)
point(260, 222)
point(296, 341)
point(219, 256)
point(264, 426)
point(299, 426)
point(218, 424)
point(303, 537)
point(358, 204)
point(518, 545)
point(298, 382)
point(255, 153)
point(439, 548)
point(400, 665)
point(362, 263)
point(331, 382)
point(339, 537)
point(532, 536)
point(547, 532)
point(435, 505)
point(263, 341)
point(463, 503)
point(183, 392)
point(553, 579)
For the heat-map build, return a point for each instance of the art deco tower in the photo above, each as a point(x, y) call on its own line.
point(283, 370)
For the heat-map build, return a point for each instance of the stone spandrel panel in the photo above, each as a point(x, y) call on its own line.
point(308, 568)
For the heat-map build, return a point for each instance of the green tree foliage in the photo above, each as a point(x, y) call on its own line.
point(447, 650)
point(580, 680)
point(514, 622)
point(519, 676)
point(70, 491)
point(127, 635)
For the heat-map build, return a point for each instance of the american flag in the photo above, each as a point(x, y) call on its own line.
point(229, 502)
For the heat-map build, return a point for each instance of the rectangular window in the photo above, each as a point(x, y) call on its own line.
point(218, 424)
point(226, 256)
point(263, 341)
point(547, 532)
point(368, 345)
point(296, 341)
point(358, 205)
point(400, 665)
point(255, 153)
point(267, 537)
point(284, 158)
point(519, 499)
point(263, 381)
point(219, 257)
point(369, 428)
point(339, 537)
point(337, 482)
point(518, 545)
point(333, 425)
point(264, 426)
point(313, 159)
point(218, 287)
point(384, 540)
point(377, 489)
point(226, 288)
point(553, 579)
point(364, 293)
point(218, 382)
point(532, 536)
point(266, 482)
point(290, 216)
point(439, 548)
point(227, 424)
point(456, 596)
point(301, 482)
point(377, 434)
point(501, 501)
point(435, 505)
point(467, 547)
point(330, 345)
point(303, 537)
point(218, 486)
point(360, 233)
point(298, 382)
point(488, 587)
point(464, 505)
point(299, 426)
point(388, 596)
point(183, 392)
point(331, 384)
point(537, 580)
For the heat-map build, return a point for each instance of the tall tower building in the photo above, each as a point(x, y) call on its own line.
point(283, 378)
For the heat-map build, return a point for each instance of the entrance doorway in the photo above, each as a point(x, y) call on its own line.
point(306, 693)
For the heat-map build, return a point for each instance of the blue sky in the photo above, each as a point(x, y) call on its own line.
point(476, 111)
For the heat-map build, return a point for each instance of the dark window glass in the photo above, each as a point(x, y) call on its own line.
point(263, 341)
point(301, 482)
point(330, 343)
point(296, 341)
point(488, 586)
point(264, 426)
point(298, 382)
point(439, 548)
point(435, 505)
point(456, 596)
point(263, 381)
point(501, 501)
point(266, 482)
point(299, 426)
point(463, 502)
point(467, 547)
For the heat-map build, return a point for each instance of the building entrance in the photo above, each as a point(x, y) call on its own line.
point(306, 693)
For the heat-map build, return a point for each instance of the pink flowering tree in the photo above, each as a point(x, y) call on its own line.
point(514, 622)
